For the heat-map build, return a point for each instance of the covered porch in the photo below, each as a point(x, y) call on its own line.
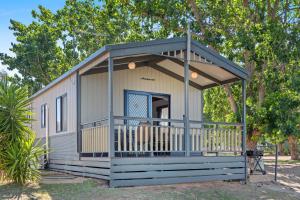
point(151, 135)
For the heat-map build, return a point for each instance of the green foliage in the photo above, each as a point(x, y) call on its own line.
point(14, 111)
point(21, 160)
point(280, 115)
point(19, 154)
point(55, 42)
point(263, 37)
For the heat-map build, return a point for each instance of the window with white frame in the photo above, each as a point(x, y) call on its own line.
point(61, 113)
point(43, 116)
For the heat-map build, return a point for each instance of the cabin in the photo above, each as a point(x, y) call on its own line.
point(132, 114)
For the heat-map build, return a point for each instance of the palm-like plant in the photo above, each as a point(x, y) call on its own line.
point(19, 151)
point(14, 111)
point(21, 161)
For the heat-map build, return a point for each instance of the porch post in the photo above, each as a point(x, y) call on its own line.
point(201, 106)
point(78, 102)
point(186, 94)
point(111, 137)
point(244, 125)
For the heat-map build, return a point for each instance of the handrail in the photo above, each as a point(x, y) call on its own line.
point(176, 121)
point(148, 119)
point(95, 123)
point(216, 123)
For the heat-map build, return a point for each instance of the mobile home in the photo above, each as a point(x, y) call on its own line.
point(132, 114)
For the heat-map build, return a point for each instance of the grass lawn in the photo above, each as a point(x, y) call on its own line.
point(92, 189)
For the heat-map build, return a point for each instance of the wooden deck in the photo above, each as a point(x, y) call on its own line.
point(148, 154)
point(170, 170)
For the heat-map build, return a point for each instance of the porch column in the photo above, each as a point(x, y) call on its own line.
point(78, 106)
point(244, 125)
point(186, 94)
point(111, 137)
point(201, 106)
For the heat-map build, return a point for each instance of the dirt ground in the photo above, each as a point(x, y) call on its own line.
point(64, 186)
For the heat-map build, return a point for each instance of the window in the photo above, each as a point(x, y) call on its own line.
point(61, 113)
point(43, 116)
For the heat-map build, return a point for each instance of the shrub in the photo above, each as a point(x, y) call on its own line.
point(21, 161)
point(19, 153)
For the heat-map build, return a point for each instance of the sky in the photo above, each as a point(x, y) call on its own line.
point(19, 10)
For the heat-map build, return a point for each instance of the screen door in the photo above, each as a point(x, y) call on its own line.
point(137, 105)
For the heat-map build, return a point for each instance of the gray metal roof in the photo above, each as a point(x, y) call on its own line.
point(152, 47)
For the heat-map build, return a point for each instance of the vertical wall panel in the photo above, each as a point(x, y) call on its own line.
point(67, 86)
point(94, 91)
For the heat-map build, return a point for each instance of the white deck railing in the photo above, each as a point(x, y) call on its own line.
point(216, 140)
point(149, 138)
point(167, 138)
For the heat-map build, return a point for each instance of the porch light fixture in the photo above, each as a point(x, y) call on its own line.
point(194, 75)
point(131, 65)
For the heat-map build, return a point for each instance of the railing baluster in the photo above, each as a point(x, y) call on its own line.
point(209, 139)
point(192, 138)
point(156, 138)
point(130, 138)
point(225, 139)
point(124, 141)
point(135, 138)
point(171, 138)
point(201, 139)
point(197, 139)
point(119, 137)
point(176, 139)
point(89, 141)
point(166, 139)
point(235, 140)
point(230, 140)
point(204, 139)
point(97, 140)
point(101, 137)
point(220, 139)
point(146, 138)
point(83, 132)
point(161, 138)
point(141, 138)
point(240, 140)
point(151, 138)
point(180, 139)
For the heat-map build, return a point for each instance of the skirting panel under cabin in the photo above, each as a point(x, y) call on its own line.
point(171, 170)
point(63, 146)
point(99, 168)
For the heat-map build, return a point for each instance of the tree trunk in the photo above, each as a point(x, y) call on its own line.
point(231, 99)
point(293, 147)
point(280, 149)
point(252, 139)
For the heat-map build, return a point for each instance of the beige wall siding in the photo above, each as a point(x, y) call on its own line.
point(94, 93)
point(67, 86)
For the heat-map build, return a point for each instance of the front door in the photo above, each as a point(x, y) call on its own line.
point(149, 105)
point(146, 105)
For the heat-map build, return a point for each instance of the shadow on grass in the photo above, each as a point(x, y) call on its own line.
point(91, 189)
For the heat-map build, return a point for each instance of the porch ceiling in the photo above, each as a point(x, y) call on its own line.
point(209, 74)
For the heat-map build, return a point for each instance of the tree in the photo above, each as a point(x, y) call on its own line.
point(262, 36)
point(55, 42)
